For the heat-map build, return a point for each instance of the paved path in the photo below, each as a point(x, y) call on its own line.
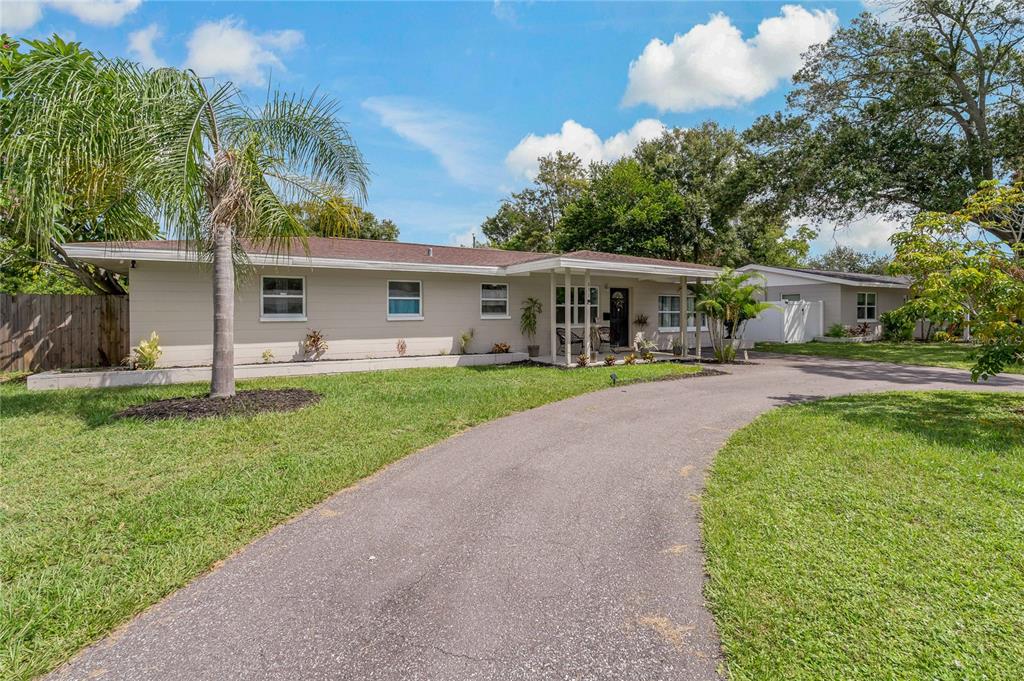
point(562, 543)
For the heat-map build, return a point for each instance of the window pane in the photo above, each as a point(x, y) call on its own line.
point(403, 306)
point(560, 295)
point(495, 307)
point(403, 289)
point(274, 305)
point(560, 315)
point(280, 285)
point(494, 291)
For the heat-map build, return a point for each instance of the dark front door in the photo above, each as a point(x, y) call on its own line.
point(618, 318)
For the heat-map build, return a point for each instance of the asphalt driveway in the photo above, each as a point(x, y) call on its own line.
point(560, 543)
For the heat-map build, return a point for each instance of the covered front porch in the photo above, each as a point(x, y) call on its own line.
point(597, 304)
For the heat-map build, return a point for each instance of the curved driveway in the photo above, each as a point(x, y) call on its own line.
point(560, 543)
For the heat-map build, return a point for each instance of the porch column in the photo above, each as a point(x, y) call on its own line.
point(696, 323)
point(568, 318)
point(586, 313)
point(683, 291)
point(551, 313)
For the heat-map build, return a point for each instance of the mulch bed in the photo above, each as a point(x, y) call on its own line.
point(244, 403)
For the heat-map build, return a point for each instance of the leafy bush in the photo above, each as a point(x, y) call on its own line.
point(465, 340)
point(147, 352)
point(268, 356)
point(609, 360)
point(897, 325)
point(401, 347)
point(500, 348)
point(942, 337)
point(648, 356)
point(837, 330)
point(315, 344)
point(629, 359)
point(583, 359)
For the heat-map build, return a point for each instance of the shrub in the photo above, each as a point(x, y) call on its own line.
point(629, 359)
point(583, 359)
point(648, 356)
point(942, 337)
point(315, 344)
point(464, 341)
point(609, 360)
point(268, 356)
point(401, 347)
point(837, 330)
point(897, 326)
point(500, 348)
point(147, 352)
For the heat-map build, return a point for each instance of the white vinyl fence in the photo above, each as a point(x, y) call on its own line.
point(787, 322)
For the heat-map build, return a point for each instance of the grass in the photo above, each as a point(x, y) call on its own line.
point(100, 519)
point(953, 355)
point(872, 537)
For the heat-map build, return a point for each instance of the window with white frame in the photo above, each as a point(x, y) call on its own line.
point(494, 301)
point(668, 313)
point(691, 315)
point(577, 304)
point(790, 297)
point(282, 298)
point(867, 311)
point(405, 300)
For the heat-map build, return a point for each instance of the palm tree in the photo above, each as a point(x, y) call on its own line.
point(226, 172)
point(728, 301)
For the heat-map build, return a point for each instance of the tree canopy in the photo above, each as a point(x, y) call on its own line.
point(845, 259)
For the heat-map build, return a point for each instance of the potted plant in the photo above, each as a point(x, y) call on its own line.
point(528, 324)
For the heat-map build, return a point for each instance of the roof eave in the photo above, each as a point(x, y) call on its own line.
point(821, 277)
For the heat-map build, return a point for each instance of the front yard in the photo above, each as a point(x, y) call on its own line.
point(872, 537)
point(953, 355)
point(99, 519)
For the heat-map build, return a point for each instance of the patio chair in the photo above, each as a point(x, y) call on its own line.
point(602, 338)
point(576, 339)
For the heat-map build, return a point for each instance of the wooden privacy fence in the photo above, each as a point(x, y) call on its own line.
point(41, 332)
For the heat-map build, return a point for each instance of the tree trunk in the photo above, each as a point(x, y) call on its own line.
point(223, 383)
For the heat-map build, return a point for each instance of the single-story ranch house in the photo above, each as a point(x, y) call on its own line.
point(375, 299)
point(847, 298)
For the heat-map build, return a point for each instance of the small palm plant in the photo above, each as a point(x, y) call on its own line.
point(728, 301)
point(531, 311)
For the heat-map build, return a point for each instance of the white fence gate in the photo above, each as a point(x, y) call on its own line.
point(797, 321)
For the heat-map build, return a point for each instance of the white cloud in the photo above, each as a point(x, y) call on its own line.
point(466, 238)
point(712, 65)
point(140, 44)
point(580, 140)
point(868, 233)
point(504, 11)
point(18, 16)
point(98, 12)
point(228, 48)
point(450, 136)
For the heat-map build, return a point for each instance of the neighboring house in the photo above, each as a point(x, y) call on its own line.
point(365, 296)
point(847, 298)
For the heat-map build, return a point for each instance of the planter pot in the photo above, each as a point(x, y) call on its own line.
point(533, 350)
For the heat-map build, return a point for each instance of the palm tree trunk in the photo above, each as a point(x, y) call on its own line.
point(223, 383)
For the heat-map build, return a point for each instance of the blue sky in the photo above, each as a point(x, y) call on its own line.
point(450, 102)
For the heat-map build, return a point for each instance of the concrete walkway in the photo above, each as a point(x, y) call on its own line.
point(561, 543)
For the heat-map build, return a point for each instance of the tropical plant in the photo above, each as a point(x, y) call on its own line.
point(609, 360)
point(315, 344)
point(531, 311)
point(728, 301)
point(148, 352)
point(942, 337)
point(465, 339)
point(641, 321)
point(837, 330)
point(401, 347)
point(582, 359)
point(897, 326)
point(629, 359)
point(648, 356)
point(268, 356)
point(500, 348)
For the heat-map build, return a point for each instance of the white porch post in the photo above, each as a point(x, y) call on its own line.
point(696, 323)
point(568, 318)
point(586, 313)
point(683, 291)
point(552, 305)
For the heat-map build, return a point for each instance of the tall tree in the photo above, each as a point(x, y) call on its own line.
point(527, 220)
point(845, 259)
point(905, 112)
point(69, 140)
point(340, 217)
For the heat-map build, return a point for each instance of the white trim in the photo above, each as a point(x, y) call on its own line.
point(817, 277)
point(857, 305)
point(387, 303)
point(508, 300)
point(264, 317)
point(561, 262)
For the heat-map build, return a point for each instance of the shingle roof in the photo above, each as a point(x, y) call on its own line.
point(401, 252)
point(851, 276)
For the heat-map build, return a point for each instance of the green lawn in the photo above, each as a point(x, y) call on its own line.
point(100, 519)
point(872, 537)
point(955, 355)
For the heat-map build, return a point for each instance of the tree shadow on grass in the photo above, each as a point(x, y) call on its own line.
point(978, 419)
point(93, 407)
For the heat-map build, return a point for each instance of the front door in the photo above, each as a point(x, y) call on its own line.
point(618, 317)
